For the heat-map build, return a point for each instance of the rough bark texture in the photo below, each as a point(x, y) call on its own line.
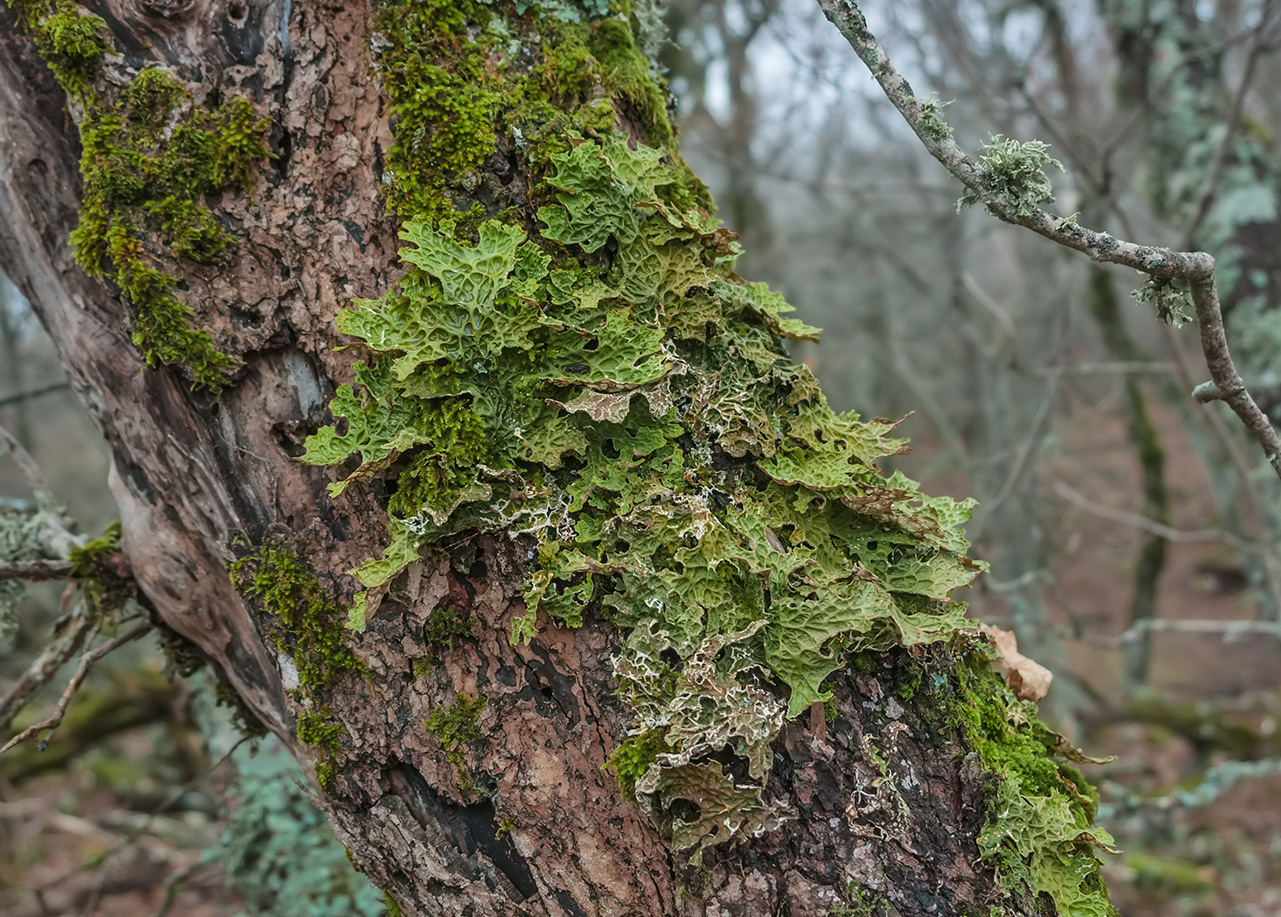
point(512, 814)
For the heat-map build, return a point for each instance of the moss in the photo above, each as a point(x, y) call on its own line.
point(309, 623)
point(1038, 831)
point(145, 175)
point(455, 727)
point(149, 159)
point(437, 471)
point(243, 719)
point(93, 569)
point(315, 729)
point(393, 909)
point(445, 624)
point(1011, 740)
point(318, 730)
point(861, 902)
point(72, 41)
point(459, 75)
point(631, 76)
point(634, 756)
point(1169, 875)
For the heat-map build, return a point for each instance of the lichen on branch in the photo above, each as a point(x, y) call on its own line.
point(587, 373)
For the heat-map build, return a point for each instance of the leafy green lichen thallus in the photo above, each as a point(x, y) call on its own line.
point(1038, 832)
point(640, 423)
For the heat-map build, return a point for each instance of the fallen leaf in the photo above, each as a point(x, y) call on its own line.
point(1027, 678)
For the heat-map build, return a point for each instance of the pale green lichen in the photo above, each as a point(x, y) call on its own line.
point(1171, 298)
point(602, 385)
point(931, 120)
point(1015, 173)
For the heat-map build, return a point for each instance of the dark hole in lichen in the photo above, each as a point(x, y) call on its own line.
point(685, 810)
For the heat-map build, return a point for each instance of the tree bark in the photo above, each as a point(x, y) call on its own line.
point(453, 804)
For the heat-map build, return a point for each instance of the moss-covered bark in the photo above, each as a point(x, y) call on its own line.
point(573, 427)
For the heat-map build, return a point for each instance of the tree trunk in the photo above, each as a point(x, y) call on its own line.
point(570, 572)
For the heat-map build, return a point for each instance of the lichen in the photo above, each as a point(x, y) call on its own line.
point(1171, 298)
point(583, 371)
point(1015, 173)
point(150, 159)
point(931, 120)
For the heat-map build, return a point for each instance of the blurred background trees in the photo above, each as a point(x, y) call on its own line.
point(1132, 534)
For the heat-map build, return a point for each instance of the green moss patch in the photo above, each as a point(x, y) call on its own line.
point(149, 163)
point(309, 623)
point(151, 160)
point(93, 570)
point(455, 726)
point(70, 40)
point(1039, 833)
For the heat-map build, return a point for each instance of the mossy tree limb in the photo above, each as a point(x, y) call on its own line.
point(574, 426)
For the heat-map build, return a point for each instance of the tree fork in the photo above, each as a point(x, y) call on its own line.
point(464, 769)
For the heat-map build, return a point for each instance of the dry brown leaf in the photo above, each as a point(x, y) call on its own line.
point(1027, 678)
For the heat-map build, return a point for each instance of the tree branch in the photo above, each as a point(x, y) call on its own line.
point(82, 671)
point(1197, 268)
point(35, 571)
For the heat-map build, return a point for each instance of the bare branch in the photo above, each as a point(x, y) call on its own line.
point(53, 657)
point(35, 571)
point(82, 671)
point(1205, 194)
point(1151, 526)
point(1231, 630)
point(30, 470)
point(30, 393)
point(1115, 367)
point(1197, 268)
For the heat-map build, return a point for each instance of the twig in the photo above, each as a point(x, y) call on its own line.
point(1205, 194)
point(33, 393)
point(35, 571)
point(1026, 447)
point(1115, 367)
point(81, 624)
point(1151, 526)
point(1231, 630)
point(30, 470)
point(86, 663)
point(1197, 268)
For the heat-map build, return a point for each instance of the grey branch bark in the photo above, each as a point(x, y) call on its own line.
point(1196, 268)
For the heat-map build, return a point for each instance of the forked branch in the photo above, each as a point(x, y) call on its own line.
point(1161, 264)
